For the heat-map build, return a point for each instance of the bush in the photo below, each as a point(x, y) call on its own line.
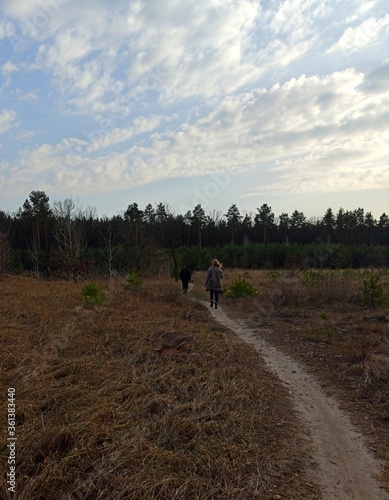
point(273, 275)
point(310, 277)
point(133, 282)
point(240, 288)
point(93, 294)
point(372, 293)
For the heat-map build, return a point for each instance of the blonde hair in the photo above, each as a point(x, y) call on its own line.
point(216, 263)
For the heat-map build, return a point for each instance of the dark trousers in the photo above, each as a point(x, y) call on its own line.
point(214, 293)
point(185, 285)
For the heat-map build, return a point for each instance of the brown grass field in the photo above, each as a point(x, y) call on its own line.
point(147, 397)
point(315, 317)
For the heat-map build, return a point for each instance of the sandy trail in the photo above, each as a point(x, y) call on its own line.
point(341, 463)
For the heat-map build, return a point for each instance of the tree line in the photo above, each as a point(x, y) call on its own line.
point(63, 238)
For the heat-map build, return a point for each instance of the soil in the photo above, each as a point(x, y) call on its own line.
point(340, 460)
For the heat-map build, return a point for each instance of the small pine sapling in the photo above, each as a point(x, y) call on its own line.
point(93, 295)
point(372, 293)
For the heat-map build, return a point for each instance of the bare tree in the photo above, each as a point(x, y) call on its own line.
point(110, 246)
point(70, 233)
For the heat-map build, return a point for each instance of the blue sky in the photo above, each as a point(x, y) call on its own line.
point(208, 101)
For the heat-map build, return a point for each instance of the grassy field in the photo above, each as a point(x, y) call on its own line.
point(144, 397)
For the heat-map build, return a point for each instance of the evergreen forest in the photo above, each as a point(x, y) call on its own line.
point(63, 240)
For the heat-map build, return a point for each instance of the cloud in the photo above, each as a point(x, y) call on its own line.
point(7, 29)
point(22, 8)
point(8, 68)
point(25, 135)
point(102, 139)
point(362, 36)
point(312, 175)
point(37, 18)
point(312, 133)
point(7, 120)
point(110, 60)
point(377, 81)
point(144, 93)
point(29, 96)
point(113, 58)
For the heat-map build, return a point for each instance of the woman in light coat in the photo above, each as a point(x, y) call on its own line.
point(213, 282)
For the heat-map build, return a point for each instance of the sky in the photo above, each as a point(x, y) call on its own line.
point(186, 102)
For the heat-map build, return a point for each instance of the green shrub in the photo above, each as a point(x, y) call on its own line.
point(93, 294)
point(240, 288)
point(372, 293)
point(133, 282)
point(310, 277)
point(273, 275)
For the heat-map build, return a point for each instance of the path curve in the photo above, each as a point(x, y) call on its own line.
point(344, 467)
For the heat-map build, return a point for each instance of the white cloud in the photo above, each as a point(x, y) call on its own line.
point(7, 120)
point(99, 140)
point(333, 136)
point(7, 29)
point(8, 67)
point(377, 82)
point(27, 96)
point(6, 70)
point(107, 55)
point(188, 88)
point(310, 175)
point(25, 135)
point(21, 8)
point(362, 36)
point(318, 131)
point(110, 58)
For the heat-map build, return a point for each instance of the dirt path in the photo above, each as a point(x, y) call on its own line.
point(341, 463)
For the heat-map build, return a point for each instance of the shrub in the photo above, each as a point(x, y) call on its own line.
point(273, 275)
point(93, 294)
point(133, 282)
point(372, 293)
point(240, 288)
point(310, 277)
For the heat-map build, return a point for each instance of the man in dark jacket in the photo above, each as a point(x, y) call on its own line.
point(185, 276)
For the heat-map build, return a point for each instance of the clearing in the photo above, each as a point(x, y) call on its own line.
point(155, 396)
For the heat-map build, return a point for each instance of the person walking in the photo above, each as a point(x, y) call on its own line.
point(185, 276)
point(213, 282)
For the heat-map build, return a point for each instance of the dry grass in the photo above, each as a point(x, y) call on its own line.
point(143, 398)
point(316, 318)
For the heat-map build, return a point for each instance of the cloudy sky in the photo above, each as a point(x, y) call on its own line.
point(196, 101)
